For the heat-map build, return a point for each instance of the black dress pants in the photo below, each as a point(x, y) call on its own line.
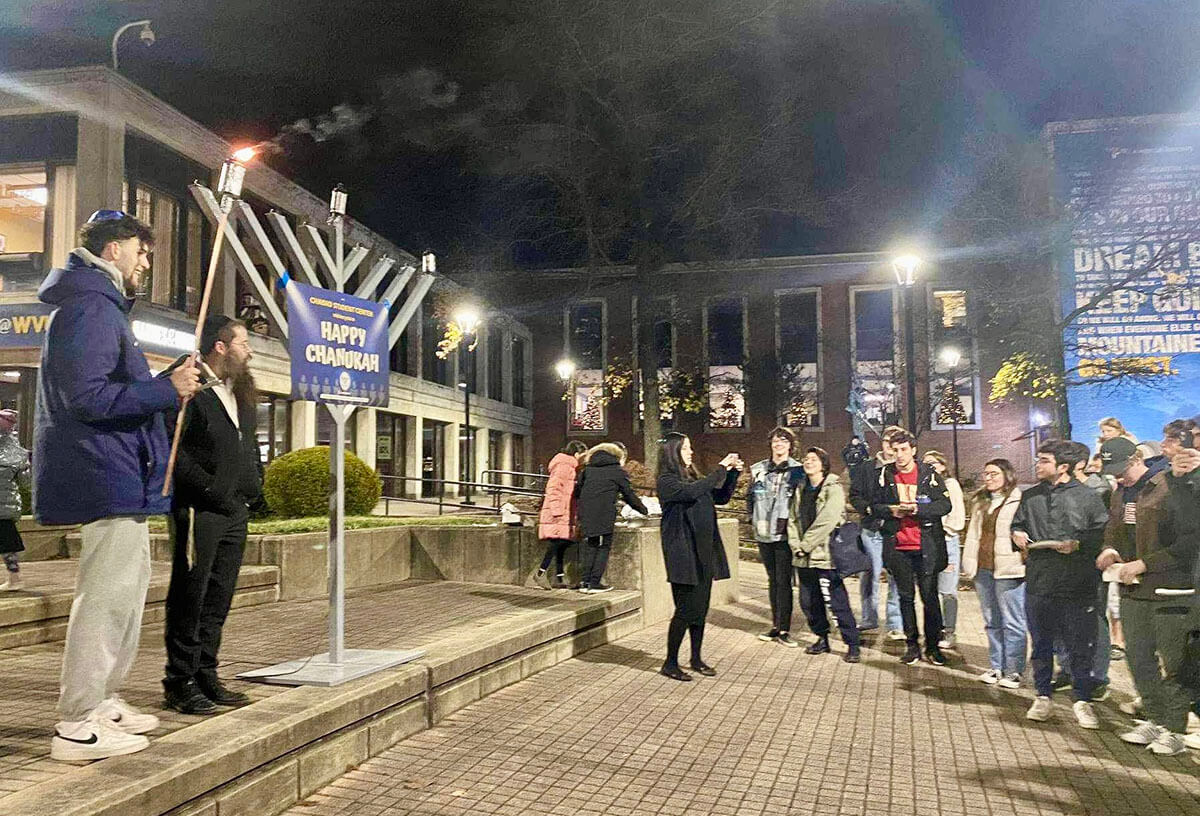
point(812, 601)
point(777, 560)
point(907, 569)
point(200, 594)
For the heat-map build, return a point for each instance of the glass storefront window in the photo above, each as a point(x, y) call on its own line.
point(23, 200)
point(274, 428)
point(161, 212)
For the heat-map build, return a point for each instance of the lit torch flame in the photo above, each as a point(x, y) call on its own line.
point(244, 154)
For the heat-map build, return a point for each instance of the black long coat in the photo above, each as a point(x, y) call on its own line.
point(689, 524)
point(601, 483)
point(218, 468)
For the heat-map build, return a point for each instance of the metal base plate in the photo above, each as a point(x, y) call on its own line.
point(318, 670)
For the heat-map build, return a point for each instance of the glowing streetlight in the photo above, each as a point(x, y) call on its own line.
point(905, 267)
point(565, 369)
point(467, 318)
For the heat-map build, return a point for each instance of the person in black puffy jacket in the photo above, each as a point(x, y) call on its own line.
point(601, 483)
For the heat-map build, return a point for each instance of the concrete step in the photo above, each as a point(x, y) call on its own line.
point(290, 742)
point(39, 613)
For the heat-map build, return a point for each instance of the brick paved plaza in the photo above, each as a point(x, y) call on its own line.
point(777, 732)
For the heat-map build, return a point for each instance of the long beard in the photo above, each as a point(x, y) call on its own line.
point(241, 383)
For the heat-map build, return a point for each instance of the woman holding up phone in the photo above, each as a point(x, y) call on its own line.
point(692, 546)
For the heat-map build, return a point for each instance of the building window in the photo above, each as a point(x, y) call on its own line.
point(433, 457)
point(518, 372)
point(798, 340)
point(873, 397)
point(274, 427)
point(495, 364)
point(390, 449)
point(161, 212)
point(725, 330)
point(663, 348)
point(23, 200)
point(521, 464)
point(953, 390)
point(433, 368)
point(585, 341)
point(495, 456)
point(465, 448)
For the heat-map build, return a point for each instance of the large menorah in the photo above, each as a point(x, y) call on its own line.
point(339, 664)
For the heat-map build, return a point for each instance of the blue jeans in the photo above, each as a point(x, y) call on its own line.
point(868, 585)
point(1002, 602)
point(948, 584)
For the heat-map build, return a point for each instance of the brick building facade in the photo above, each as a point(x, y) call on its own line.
point(776, 339)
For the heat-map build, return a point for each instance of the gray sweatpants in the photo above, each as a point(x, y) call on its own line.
point(106, 616)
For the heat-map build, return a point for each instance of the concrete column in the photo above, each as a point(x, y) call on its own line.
point(99, 165)
point(364, 438)
point(506, 368)
point(304, 425)
point(506, 455)
point(452, 444)
point(413, 450)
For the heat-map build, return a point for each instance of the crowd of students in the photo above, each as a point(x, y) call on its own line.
point(1098, 560)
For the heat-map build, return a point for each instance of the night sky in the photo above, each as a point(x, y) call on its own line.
point(965, 70)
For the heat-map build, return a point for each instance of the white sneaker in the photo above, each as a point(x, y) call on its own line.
point(1040, 710)
point(896, 634)
point(1193, 723)
point(1010, 681)
point(948, 641)
point(1085, 715)
point(93, 738)
point(1192, 741)
point(1144, 733)
point(1131, 707)
point(13, 583)
point(1168, 744)
point(125, 717)
point(991, 677)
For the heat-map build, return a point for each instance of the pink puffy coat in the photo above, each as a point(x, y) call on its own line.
point(557, 518)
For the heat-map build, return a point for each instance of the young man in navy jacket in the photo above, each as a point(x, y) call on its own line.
point(100, 451)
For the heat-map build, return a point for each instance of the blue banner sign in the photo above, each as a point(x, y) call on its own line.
point(339, 346)
point(22, 325)
point(1130, 271)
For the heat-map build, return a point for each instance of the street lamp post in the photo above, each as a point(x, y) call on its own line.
point(905, 267)
point(951, 357)
point(468, 321)
point(565, 369)
point(146, 36)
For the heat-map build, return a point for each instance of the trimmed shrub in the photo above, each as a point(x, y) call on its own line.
point(297, 484)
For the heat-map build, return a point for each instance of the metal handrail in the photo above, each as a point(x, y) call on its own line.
point(520, 473)
point(495, 490)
